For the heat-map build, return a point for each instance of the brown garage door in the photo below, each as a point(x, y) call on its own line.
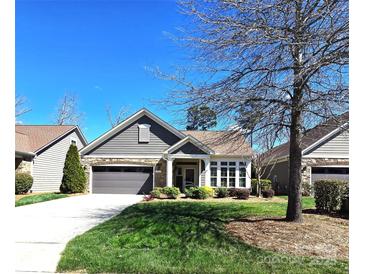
point(122, 180)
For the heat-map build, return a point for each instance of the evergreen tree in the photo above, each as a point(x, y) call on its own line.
point(74, 177)
point(201, 118)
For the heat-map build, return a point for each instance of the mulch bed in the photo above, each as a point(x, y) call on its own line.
point(318, 235)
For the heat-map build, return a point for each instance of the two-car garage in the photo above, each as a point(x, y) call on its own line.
point(122, 179)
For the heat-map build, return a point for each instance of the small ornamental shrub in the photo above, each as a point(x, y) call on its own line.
point(189, 192)
point(171, 192)
point(74, 177)
point(156, 192)
point(221, 192)
point(232, 192)
point(200, 193)
point(148, 198)
point(208, 190)
point(345, 200)
point(268, 193)
point(265, 185)
point(23, 183)
point(242, 193)
point(329, 194)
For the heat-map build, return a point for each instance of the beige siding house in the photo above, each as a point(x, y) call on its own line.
point(41, 152)
point(325, 155)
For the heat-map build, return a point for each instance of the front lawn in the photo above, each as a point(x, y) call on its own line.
point(37, 198)
point(184, 237)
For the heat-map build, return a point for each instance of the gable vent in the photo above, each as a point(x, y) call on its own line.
point(144, 133)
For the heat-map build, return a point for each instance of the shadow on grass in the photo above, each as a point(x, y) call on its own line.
point(329, 214)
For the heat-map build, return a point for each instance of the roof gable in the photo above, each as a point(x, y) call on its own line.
point(227, 143)
point(33, 138)
point(314, 136)
point(182, 146)
point(127, 122)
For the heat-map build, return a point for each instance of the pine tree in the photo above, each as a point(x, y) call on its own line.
point(74, 178)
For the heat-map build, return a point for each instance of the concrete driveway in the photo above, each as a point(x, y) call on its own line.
point(43, 229)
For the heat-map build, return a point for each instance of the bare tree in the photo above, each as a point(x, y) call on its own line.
point(67, 111)
point(279, 65)
point(21, 106)
point(119, 117)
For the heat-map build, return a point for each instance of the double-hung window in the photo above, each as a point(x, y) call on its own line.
point(213, 174)
point(224, 174)
point(242, 174)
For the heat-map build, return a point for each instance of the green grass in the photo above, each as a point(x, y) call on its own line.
point(32, 199)
point(183, 237)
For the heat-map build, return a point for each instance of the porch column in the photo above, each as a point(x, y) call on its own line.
point(169, 172)
point(207, 172)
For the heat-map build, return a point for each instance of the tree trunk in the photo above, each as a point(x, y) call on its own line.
point(294, 209)
point(258, 192)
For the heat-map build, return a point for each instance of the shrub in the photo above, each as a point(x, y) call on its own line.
point(269, 193)
point(329, 194)
point(208, 190)
point(171, 192)
point(265, 185)
point(23, 183)
point(74, 177)
point(199, 193)
point(221, 192)
point(156, 192)
point(232, 192)
point(189, 192)
point(148, 198)
point(242, 193)
point(345, 200)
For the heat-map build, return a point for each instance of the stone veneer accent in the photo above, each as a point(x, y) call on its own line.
point(308, 163)
point(160, 170)
point(23, 167)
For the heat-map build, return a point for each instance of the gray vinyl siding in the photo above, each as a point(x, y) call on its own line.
point(48, 165)
point(281, 171)
point(188, 148)
point(337, 146)
point(125, 142)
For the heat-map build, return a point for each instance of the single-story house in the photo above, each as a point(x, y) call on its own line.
point(144, 152)
point(325, 155)
point(40, 150)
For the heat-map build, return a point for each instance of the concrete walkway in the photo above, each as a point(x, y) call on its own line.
point(43, 229)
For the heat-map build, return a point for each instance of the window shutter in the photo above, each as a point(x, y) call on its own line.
point(144, 133)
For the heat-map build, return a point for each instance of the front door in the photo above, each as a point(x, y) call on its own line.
point(189, 176)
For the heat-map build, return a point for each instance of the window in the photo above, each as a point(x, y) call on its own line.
point(232, 163)
point(213, 163)
point(224, 177)
point(232, 177)
point(144, 133)
point(223, 163)
point(213, 176)
point(242, 176)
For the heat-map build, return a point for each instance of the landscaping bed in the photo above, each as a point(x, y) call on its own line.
point(181, 236)
point(321, 236)
point(32, 198)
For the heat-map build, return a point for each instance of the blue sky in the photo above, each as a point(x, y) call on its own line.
point(97, 50)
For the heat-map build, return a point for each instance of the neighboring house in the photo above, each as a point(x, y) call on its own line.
point(325, 155)
point(144, 152)
point(40, 150)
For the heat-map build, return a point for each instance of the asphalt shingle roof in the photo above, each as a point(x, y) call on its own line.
point(32, 138)
point(222, 142)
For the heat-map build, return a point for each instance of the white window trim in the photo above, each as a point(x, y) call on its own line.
point(144, 127)
point(237, 177)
